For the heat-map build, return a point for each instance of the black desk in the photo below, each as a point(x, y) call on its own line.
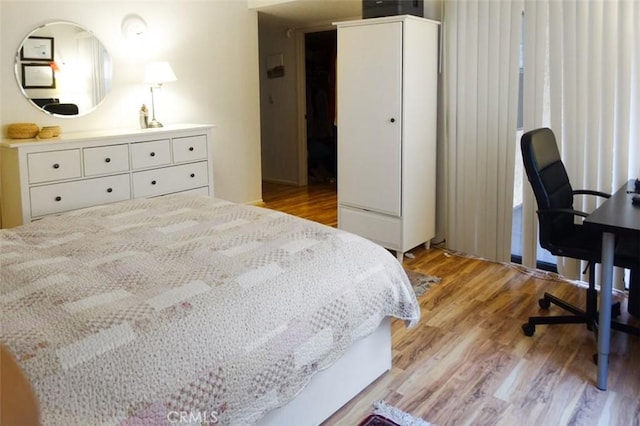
point(615, 216)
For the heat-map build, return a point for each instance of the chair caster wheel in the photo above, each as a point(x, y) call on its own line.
point(528, 329)
point(544, 303)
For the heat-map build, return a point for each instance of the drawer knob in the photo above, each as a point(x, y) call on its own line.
point(153, 182)
point(393, 120)
point(109, 190)
point(190, 148)
point(58, 198)
point(56, 165)
point(107, 160)
point(192, 175)
point(153, 154)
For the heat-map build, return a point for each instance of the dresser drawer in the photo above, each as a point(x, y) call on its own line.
point(61, 197)
point(382, 229)
point(170, 179)
point(105, 159)
point(204, 190)
point(150, 154)
point(54, 165)
point(189, 148)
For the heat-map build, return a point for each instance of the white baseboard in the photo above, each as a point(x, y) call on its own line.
point(281, 181)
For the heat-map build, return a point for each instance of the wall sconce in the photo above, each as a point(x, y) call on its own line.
point(157, 73)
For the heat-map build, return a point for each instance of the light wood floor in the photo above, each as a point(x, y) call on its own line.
point(468, 362)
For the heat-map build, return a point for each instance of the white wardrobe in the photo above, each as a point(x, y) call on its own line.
point(387, 74)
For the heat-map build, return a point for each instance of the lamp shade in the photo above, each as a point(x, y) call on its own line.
point(158, 73)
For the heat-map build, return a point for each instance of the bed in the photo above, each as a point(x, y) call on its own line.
point(190, 309)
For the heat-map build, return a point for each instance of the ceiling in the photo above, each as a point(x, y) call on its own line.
point(302, 13)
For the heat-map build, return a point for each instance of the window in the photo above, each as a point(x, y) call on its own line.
point(545, 260)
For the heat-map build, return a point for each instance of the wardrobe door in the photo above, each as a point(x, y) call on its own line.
point(369, 79)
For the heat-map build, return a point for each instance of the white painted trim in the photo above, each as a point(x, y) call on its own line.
point(281, 181)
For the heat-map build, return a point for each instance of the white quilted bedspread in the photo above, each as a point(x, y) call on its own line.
point(132, 312)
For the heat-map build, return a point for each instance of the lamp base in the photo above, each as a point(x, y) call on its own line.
point(154, 124)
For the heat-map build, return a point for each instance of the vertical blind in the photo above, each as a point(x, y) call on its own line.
point(480, 95)
point(582, 79)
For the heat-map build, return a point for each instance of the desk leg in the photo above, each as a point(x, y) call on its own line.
point(604, 321)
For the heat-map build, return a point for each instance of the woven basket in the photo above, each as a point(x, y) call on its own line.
point(55, 130)
point(45, 134)
point(22, 130)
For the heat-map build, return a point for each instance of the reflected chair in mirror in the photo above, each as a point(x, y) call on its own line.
point(560, 235)
point(41, 102)
point(61, 109)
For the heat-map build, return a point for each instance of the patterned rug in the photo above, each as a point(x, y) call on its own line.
point(384, 414)
point(421, 282)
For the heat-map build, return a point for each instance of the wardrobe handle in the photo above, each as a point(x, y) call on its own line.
point(190, 148)
point(153, 182)
point(153, 154)
point(109, 190)
point(393, 120)
point(58, 198)
point(56, 166)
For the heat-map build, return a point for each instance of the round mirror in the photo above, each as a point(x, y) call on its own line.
point(63, 69)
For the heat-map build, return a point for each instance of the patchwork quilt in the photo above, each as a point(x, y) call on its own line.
point(147, 311)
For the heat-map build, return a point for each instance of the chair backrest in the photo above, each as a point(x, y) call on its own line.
point(41, 102)
point(550, 184)
point(61, 109)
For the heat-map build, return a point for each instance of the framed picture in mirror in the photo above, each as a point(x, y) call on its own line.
point(38, 76)
point(37, 49)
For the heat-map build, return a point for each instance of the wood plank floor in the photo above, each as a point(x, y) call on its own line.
point(468, 362)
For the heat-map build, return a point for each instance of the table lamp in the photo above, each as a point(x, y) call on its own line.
point(157, 73)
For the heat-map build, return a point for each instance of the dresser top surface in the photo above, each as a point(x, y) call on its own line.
point(104, 134)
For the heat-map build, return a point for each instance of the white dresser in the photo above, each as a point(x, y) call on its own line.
point(387, 74)
point(83, 169)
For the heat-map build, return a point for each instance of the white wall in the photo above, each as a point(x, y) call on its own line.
point(212, 46)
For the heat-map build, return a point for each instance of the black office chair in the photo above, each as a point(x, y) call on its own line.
point(41, 102)
point(562, 237)
point(61, 109)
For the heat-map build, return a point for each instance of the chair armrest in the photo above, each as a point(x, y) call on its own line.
point(590, 192)
point(564, 211)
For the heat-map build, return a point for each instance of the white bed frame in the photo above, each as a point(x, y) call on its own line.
point(332, 388)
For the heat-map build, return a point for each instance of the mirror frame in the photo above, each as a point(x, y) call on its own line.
point(42, 66)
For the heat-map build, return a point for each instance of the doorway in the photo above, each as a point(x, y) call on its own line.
point(320, 86)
